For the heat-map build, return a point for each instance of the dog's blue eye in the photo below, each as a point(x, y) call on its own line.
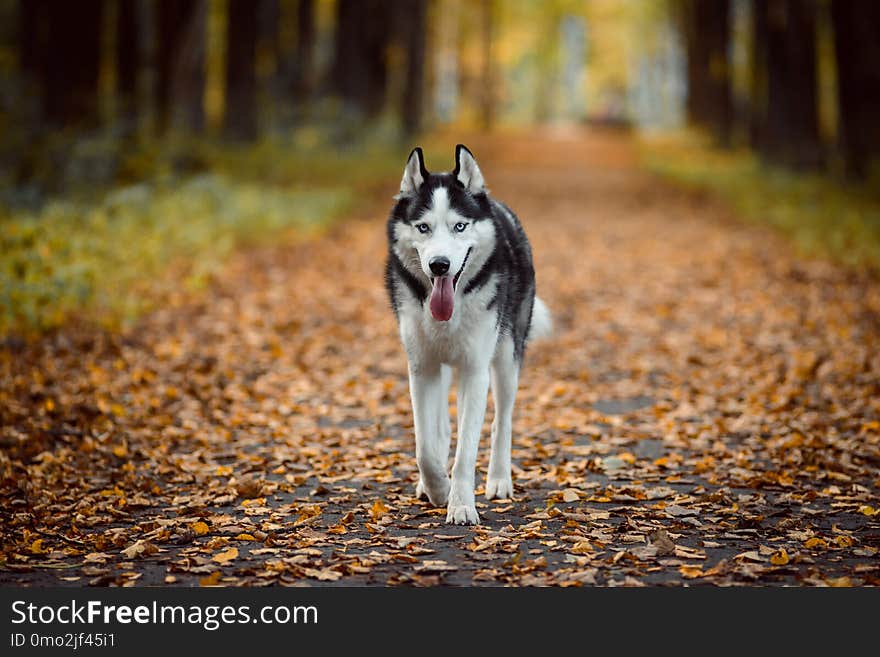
point(460, 226)
point(423, 228)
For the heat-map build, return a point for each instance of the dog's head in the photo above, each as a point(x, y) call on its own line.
point(440, 232)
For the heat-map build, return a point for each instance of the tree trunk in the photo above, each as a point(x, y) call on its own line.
point(360, 70)
point(414, 27)
point(707, 40)
point(792, 135)
point(72, 62)
point(32, 40)
point(128, 44)
point(758, 82)
point(857, 49)
point(304, 80)
point(181, 64)
point(241, 72)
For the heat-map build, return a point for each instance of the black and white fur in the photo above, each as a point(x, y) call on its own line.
point(450, 219)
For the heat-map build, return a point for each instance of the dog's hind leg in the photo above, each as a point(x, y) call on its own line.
point(505, 378)
point(429, 401)
point(444, 429)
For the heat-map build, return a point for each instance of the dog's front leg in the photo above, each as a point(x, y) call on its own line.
point(429, 400)
point(473, 386)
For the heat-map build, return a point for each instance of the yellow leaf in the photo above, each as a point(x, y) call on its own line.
point(627, 457)
point(223, 471)
point(307, 513)
point(37, 547)
point(49, 404)
point(582, 547)
point(691, 572)
point(779, 558)
point(200, 528)
point(843, 541)
point(839, 582)
point(121, 451)
point(210, 580)
point(378, 510)
point(815, 542)
point(245, 537)
point(867, 510)
point(226, 556)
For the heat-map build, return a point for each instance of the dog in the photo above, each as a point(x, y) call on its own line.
point(461, 283)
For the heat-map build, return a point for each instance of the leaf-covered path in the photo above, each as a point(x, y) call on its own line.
point(707, 412)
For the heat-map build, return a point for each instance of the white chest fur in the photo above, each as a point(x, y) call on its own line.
point(466, 340)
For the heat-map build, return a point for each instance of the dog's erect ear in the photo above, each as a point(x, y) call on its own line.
point(467, 171)
point(414, 174)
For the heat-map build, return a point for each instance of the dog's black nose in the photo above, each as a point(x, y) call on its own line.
point(439, 265)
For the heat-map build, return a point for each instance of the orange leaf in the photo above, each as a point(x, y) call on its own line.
point(779, 558)
point(839, 582)
point(226, 556)
point(691, 572)
point(210, 580)
point(843, 541)
point(378, 510)
point(199, 527)
point(815, 542)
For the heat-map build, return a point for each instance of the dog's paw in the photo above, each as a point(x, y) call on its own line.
point(436, 495)
point(499, 487)
point(462, 514)
point(461, 509)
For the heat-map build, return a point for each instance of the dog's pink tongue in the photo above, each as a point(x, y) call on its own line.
point(442, 298)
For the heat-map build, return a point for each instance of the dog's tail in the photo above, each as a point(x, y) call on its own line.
point(542, 321)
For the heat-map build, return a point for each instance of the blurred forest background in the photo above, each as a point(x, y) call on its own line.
point(141, 137)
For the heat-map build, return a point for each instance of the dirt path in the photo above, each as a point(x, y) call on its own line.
point(708, 412)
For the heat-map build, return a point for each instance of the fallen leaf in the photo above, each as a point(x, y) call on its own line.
point(378, 510)
point(210, 580)
point(660, 539)
point(226, 556)
point(139, 548)
point(779, 558)
point(843, 541)
point(200, 528)
point(839, 582)
point(691, 572)
point(434, 566)
point(570, 495)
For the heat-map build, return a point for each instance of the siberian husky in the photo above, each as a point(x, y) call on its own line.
point(461, 282)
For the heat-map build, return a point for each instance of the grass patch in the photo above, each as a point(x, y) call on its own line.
point(822, 217)
point(174, 209)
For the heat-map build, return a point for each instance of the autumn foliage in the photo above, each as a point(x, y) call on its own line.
point(706, 413)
